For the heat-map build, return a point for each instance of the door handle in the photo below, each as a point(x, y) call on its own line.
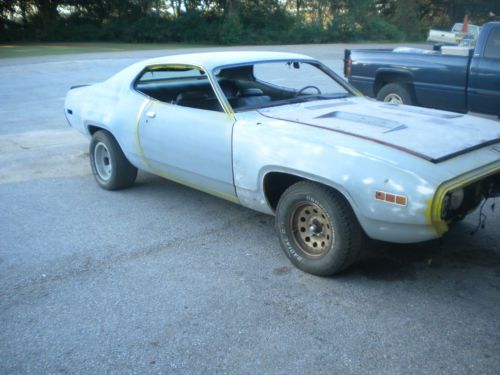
point(151, 114)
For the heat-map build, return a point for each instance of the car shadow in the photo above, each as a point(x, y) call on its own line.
point(382, 261)
point(459, 249)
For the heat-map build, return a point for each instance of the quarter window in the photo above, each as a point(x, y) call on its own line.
point(182, 85)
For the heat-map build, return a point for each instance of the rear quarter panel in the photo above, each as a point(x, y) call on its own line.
point(113, 106)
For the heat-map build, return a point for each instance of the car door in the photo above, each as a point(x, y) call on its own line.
point(484, 80)
point(189, 144)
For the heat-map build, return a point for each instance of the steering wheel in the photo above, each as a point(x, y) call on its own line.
point(306, 88)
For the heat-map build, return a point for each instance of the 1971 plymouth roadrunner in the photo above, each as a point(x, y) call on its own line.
point(282, 134)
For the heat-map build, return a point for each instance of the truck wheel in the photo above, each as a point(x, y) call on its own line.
point(111, 168)
point(317, 229)
point(395, 93)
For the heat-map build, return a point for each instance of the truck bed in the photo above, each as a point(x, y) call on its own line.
point(438, 81)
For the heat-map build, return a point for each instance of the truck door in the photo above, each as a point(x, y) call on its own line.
point(483, 92)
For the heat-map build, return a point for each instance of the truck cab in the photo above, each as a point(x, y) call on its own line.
point(483, 91)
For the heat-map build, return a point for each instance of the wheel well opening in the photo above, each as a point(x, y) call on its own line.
point(386, 78)
point(275, 184)
point(92, 129)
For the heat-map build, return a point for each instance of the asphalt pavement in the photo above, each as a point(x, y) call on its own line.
point(164, 279)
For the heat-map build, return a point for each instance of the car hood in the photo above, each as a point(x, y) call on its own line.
point(427, 133)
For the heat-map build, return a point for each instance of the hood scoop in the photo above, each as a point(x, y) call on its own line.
point(385, 125)
point(341, 103)
point(430, 134)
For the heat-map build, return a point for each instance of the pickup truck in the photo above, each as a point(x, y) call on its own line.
point(456, 36)
point(432, 78)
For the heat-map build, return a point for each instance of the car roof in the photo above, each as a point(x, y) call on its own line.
point(206, 60)
point(211, 60)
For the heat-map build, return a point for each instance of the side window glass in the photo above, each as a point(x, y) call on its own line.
point(492, 49)
point(170, 73)
point(296, 76)
point(182, 85)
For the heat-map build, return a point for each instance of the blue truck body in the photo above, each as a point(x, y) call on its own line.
point(432, 79)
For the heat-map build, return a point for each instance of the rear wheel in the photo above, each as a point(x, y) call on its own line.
point(317, 228)
point(396, 93)
point(111, 168)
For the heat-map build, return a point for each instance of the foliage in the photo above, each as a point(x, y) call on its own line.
point(234, 21)
point(231, 31)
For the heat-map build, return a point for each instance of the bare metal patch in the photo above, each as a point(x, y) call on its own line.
point(421, 111)
point(389, 125)
point(328, 105)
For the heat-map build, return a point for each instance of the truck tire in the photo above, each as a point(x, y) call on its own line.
point(110, 167)
point(317, 229)
point(396, 93)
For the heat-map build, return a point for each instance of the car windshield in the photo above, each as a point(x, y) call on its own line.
point(275, 83)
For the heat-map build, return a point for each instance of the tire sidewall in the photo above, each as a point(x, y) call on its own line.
point(396, 88)
point(319, 265)
point(101, 137)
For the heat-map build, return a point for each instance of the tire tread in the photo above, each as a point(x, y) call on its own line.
point(124, 173)
point(354, 235)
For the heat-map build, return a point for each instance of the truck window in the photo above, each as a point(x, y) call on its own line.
point(492, 49)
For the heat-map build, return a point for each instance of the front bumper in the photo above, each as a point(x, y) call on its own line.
point(463, 181)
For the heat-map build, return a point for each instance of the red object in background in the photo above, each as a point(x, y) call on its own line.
point(465, 25)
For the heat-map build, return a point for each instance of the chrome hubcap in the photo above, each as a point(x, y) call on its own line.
point(393, 98)
point(311, 228)
point(102, 161)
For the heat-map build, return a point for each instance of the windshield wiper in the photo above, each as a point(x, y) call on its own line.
point(309, 98)
point(326, 96)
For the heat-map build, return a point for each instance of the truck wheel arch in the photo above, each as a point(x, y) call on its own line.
point(399, 93)
point(386, 77)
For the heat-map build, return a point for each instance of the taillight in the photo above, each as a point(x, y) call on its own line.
point(347, 63)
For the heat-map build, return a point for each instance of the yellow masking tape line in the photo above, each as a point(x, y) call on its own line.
point(140, 151)
point(459, 182)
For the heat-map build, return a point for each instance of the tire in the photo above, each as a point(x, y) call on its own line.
point(110, 167)
point(395, 93)
point(317, 229)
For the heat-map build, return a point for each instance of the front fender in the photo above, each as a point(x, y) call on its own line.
point(334, 160)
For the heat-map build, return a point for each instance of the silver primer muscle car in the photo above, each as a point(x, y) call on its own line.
point(282, 134)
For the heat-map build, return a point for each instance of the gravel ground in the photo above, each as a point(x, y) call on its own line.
point(161, 278)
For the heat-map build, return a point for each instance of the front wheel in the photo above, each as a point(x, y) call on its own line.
point(317, 228)
point(111, 168)
point(395, 93)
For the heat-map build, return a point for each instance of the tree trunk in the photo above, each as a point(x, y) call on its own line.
point(47, 9)
point(232, 7)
